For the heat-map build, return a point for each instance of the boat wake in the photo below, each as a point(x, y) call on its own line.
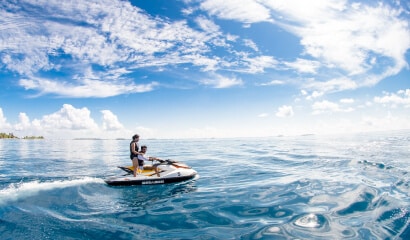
point(16, 191)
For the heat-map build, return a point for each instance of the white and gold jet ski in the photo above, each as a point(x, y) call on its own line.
point(167, 171)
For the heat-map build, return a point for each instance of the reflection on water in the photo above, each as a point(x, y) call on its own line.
point(149, 195)
point(311, 220)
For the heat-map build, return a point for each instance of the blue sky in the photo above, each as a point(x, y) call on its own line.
point(196, 69)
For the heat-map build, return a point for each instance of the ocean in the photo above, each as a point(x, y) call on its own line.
point(353, 186)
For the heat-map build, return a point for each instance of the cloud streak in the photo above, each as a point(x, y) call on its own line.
point(84, 88)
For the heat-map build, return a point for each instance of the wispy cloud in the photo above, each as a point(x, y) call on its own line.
point(344, 45)
point(251, 44)
point(357, 40)
point(218, 81)
point(272, 83)
point(258, 64)
point(112, 35)
point(247, 11)
point(333, 85)
point(84, 88)
point(326, 106)
point(304, 65)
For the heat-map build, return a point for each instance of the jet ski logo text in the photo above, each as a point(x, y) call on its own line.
point(153, 182)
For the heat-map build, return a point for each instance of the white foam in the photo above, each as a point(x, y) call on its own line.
point(17, 191)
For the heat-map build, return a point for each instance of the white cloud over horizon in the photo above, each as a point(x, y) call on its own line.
point(70, 122)
point(110, 121)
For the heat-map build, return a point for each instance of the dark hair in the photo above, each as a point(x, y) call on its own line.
point(135, 136)
point(143, 146)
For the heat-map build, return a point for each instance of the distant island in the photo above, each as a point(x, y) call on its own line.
point(12, 136)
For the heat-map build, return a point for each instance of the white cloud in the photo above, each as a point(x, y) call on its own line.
point(303, 65)
point(207, 25)
point(273, 83)
point(316, 94)
point(110, 121)
point(312, 95)
point(84, 88)
point(231, 37)
point(258, 64)
point(324, 106)
point(112, 35)
point(402, 97)
point(3, 121)
point(327, 106)
point(207, 63)
point(251, 44)
point(285, 111)
point(92, 48)
point(24, 122)
point(117, 37)
point(247, 11)
point(301, 10)
point(68, 122)
point(349, 37)
point(219, 81)
point(69, 117)
point(333, 85)
point(188, 11)
point(358, 40)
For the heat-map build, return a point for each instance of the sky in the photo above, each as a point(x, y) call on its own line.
point(203, 69)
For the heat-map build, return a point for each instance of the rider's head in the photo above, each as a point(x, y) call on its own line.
point(135, 137)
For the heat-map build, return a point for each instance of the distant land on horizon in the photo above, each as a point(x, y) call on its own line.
point(12, 136)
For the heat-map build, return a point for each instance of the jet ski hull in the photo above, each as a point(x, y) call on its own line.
point(169, 171)
point(129, 181)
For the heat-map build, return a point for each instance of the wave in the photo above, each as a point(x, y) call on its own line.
point(16, 191)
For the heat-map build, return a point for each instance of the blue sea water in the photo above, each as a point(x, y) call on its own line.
point(304, 187)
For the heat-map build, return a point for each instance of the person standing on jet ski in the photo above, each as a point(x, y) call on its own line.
point(134, 152)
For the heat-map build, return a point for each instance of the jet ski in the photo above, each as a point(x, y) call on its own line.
point(166, 171)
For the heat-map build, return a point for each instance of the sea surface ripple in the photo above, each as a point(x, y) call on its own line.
point(300, 187)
